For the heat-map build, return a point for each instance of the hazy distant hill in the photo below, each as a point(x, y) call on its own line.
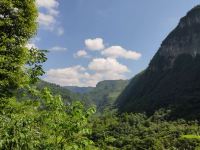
point(80, 90)
point(103, 95)
point(106, 92)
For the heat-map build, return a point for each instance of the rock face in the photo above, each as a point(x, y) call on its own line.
point(184, 39)
point(172, 79)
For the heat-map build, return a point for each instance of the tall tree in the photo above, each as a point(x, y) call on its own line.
point(18, 24)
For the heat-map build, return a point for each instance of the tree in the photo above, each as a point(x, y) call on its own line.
point(17, 25)
point(47, 125)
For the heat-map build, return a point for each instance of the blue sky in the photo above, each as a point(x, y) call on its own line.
point(94, 40)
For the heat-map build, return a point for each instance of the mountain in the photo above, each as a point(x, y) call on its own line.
point(103, 95)
point(80, 90)
point(106, 92)
point(172, 79)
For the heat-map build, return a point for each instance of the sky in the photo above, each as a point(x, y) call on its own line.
point(95, 40)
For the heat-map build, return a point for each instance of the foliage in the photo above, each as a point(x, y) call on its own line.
point(34, 63)
point(139, 132)
point(189, 142)
point(49, 125)
point(17, 26)
point(67, 96)
point(43, 122)
point(80, 90)
point(105, 93)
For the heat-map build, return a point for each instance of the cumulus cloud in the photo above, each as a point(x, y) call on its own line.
point(98, 69)
point(107, 65)
point(120, 52)
point(94, 44)
point(58, 49)
point(66, 76)
point(106, 69)
point(48, 4)
point(48, 19)
point(81, 53)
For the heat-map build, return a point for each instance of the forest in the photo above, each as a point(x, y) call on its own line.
point(32, 118)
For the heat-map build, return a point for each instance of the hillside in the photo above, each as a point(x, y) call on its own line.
point(172, 78)
point(103, 95)
point(66, 94)
point(106, 92)
point(80, 90)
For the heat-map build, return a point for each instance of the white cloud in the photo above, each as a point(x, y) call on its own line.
point(48, 4)
point(106, 69)
point(98, 70)
point(48, 19)
point(58, 49)
point(107, 65)
point(81, 53)
point(119, 52)
point(66, 76)
point(94, 44)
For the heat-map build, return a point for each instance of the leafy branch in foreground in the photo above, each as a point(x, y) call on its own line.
point(49, 125)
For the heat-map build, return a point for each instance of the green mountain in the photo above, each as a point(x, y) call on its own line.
point(103, 95)
point(80, 90)
point(171, 80)
point(106, 92)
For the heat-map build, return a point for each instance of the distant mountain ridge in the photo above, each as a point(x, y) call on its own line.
point(106, 93)
point(172, 79)
point(80, 90)
point(103, 95)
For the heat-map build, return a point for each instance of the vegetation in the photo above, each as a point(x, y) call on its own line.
point(47, 125)
point(105, 94)
point(80, 90)
point(139, 132)
point(42, 120)
point(17, 26)
point(67, 96)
